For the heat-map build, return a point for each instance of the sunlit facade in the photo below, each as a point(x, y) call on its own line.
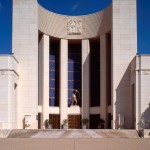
point(74, 67)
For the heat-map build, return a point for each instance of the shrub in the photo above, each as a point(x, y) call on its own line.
point(47, 122)
point(84, 121)
point(65, 121)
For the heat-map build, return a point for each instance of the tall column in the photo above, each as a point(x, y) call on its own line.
point(63, 80)
point(44, 77)
point(137, 92)
point(103, 77)
point(137, 116)
point(85, 78)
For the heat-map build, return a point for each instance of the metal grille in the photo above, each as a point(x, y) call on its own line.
point(74, 121)
point(55, 121)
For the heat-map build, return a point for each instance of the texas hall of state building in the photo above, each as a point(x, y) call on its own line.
point(74, 67)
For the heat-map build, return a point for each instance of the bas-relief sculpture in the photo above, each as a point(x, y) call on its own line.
point(74, 27)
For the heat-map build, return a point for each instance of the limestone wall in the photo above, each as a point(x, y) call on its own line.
point(8, 91)
point(25, 49)
point(143, 89)
point(124, 48)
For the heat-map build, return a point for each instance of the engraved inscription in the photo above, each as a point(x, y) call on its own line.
point(74, 27)
point(146, 72)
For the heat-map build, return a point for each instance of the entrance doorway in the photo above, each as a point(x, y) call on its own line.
point(39, 120)
point(94, 121)
point(74, 121)
point(55, 120)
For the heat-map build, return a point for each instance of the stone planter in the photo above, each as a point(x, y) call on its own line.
point(145, 133)
point(49, 126)
point(65, 126)
point(84, 126)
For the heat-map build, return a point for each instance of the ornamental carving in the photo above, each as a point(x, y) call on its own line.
point(74, 27)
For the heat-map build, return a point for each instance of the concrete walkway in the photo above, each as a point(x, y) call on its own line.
point(74, 144)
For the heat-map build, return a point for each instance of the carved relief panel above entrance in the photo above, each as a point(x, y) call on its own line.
point(74, 27)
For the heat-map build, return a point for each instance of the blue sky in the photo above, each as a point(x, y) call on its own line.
point(75, 7)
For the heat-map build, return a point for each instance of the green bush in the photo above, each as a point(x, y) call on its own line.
point(84, 121)
point(65, 121)
point(47, 122)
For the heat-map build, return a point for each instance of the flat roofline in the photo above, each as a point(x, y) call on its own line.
point(142, 54)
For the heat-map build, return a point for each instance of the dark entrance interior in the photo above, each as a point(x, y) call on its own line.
point(109, 121)
point(39, 120)
point(54, 72)
point(94, 121)
point(95, 72)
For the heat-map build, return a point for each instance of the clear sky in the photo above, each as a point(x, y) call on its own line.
point(75, 7)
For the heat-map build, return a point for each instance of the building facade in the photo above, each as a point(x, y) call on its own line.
point(90, 58)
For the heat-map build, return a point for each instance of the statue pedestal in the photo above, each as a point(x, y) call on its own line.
point(74, 109)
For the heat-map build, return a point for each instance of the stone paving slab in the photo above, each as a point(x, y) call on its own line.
point(74, 144)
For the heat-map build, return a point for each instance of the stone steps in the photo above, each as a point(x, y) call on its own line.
point(70, 133)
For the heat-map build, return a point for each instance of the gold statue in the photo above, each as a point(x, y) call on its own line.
point(74, 97)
